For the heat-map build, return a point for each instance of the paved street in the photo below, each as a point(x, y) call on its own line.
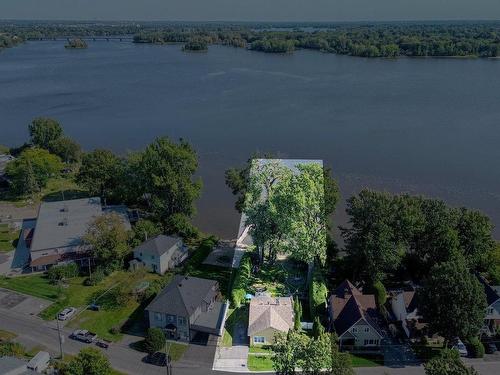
point(33, 331)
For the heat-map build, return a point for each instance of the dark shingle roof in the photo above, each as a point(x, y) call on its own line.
point(183, 295)
point(158, 245)
point(491, 294)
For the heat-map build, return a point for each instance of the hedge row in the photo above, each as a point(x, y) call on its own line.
point(241, 281)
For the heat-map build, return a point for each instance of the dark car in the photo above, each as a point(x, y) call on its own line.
point(157, 359)
point(489, 347)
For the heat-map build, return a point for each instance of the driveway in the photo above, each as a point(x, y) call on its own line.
point(234, 358)
point(398, 354)
point(22, 304)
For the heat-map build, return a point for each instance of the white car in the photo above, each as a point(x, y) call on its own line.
point(66, 313)
point(460, 348)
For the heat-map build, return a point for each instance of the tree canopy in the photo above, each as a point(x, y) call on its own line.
point(43, 131)
point(448, 363)
point(452, 300)
point(90, 361)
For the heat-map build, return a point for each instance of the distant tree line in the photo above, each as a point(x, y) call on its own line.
point(480, 39)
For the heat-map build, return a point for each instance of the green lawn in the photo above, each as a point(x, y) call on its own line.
point(260, 363)
point(8, 238)
point(260, 349)
point(36, 285)
point(366, 361)
point(176, 350)
point(280, 279)
point(233, 316)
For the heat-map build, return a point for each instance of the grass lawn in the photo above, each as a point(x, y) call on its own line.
point(366, 361)
point(36, 285)
point(233, 317)
point(260, 363)
point(176, 350)
point(195, 267)
point(8, 238)
point(280, 279)
point(260, 349)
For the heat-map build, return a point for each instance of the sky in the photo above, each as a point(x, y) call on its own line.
point(251, 10)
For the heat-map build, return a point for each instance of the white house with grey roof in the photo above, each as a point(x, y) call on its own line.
point(57, 237)
point(188, 306)
point(161, 253)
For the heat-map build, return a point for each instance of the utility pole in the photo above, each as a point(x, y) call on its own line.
point(60, 338)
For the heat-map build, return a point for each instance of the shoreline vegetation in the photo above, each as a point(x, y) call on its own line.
point(389, 40)
point(76, 43)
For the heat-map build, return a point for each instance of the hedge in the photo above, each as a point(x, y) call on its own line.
point(318, 293)
point(241, 281)
point(380, 293)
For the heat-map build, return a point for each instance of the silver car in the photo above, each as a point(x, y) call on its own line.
point(66, 313)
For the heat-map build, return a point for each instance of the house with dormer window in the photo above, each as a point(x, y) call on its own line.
point(354, 317)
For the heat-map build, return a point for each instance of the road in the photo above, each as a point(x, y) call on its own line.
point(33, 331)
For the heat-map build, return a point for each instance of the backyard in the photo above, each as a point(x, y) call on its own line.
point(282, 278)
point(234, 318)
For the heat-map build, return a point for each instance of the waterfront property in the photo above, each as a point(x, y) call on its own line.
point(57, 237)
point(160, 254)
point(354, 317)
point(492, 315)
point(268, 316)
point(186, 307)
point(405, 310)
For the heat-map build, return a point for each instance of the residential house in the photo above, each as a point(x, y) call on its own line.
point(492, 315)
point(161, 253)
point(4, 160)
point(188, 306)
point(354, 316)
point(57, 237)
point(404, 308)
point(268, 316)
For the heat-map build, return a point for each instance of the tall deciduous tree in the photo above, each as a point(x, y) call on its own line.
point(108, 238)
point(289, 350)
point(165, 175)
point(66, 148)
point(100, 173)
point(43, 131)
point(31, 171)
point(155, 340)
point(89, 361)
point(453, 301)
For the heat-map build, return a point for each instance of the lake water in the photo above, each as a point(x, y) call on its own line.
point(427, 126)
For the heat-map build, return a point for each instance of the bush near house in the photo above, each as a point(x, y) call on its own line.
point(380, 293)
point(318, 293)
point(65, 271)
point(475, 347)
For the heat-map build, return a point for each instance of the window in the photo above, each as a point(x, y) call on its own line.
point(490, 310)
point(158, 316)
point(259, 340)
point(182, 321)
point(354, 330)
point(366, 342)
point(140, 254)
point(367, 329)
point(171, 318)
point(152, 256)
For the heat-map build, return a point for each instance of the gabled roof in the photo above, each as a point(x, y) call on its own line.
point(491, 294)
point(268, 312)
point(158, 245)
point(348, 305)
point(184, 295)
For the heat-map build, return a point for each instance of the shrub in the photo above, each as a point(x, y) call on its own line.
point(317, 294)
point(380, 293)
point(115, 330)
point(181, 225)
point(11, 349)
point(155, 340)
point(66, 271)
point(476, 348)
point(241, 281)
point(97, 276)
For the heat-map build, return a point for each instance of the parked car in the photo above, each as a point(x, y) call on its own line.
point(157, 359)
point(84, 336)
point(102, 344)
point(67, 313)
point(489, 347)
point(460, 347)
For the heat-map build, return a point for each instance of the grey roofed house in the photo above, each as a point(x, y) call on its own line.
point(60, 227)
point(14, 366)
point(4, 160)
point(161, 253)
point(186, 306)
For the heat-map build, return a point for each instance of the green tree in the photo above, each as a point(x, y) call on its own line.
point(380, 293)
point(155, 340)
point(31, 171)
point(339, 363)
point(448, 363)
point(370, 241)
point(100, 173)
point(108, 238)
point(89, 361)
point(494, 265)
point(165, 175)
point(318, 328)
point(452, 301)
point(43, 131)
point(317, 354)
point(289, 351)
point(297, 314)
point(144, 230)
point(66, 148)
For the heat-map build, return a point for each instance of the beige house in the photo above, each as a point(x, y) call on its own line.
point(268, 316)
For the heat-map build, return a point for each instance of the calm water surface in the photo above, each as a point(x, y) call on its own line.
point(428, 126)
